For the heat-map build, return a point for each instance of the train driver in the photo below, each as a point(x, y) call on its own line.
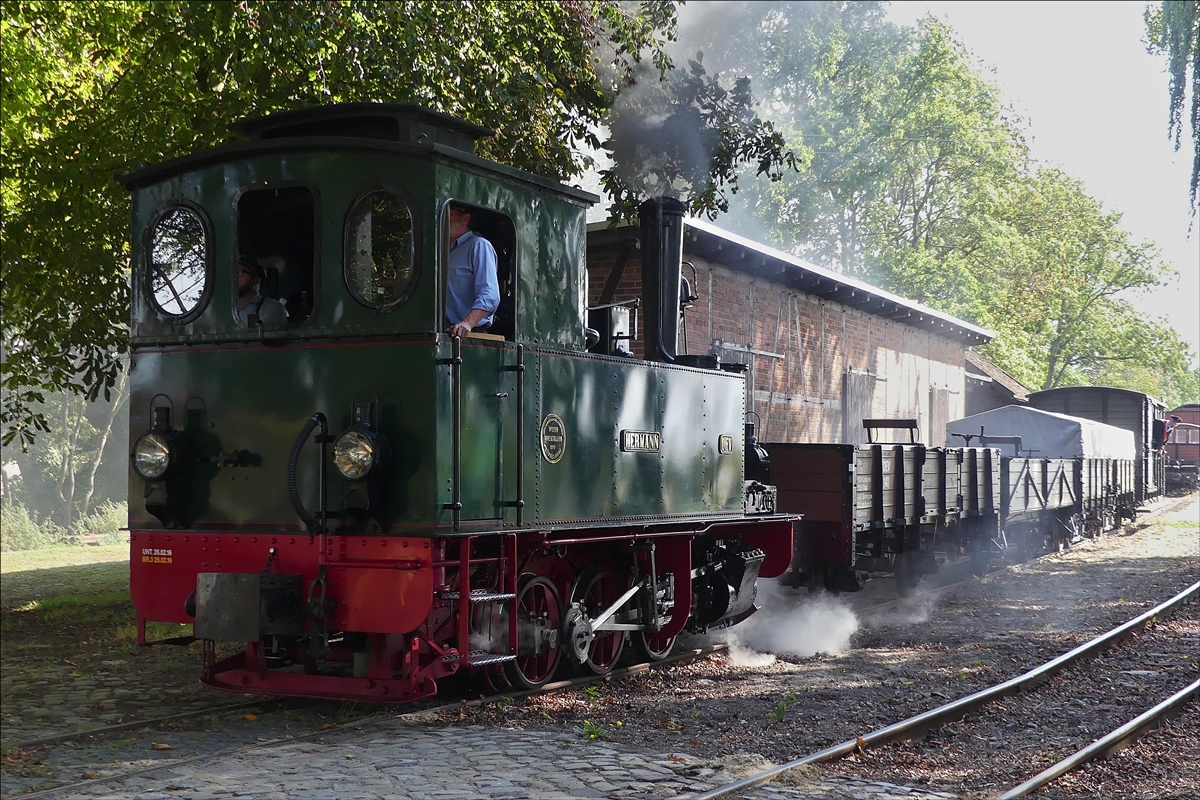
point(472, 289)
point(251, 300)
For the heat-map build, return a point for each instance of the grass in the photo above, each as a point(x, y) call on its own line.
point(55, 587)
point(781, 708)
point(70, 597)
point(62, 556)
point(591, 730)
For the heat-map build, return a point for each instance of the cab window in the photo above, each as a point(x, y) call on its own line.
point(179, 263)
point(498, 229)
point(276, 231)
point(381, 263)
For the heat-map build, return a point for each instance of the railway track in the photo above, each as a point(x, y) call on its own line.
point(460, 703)
point(925, 722)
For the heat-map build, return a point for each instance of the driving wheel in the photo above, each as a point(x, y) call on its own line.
point(595, 591)
point(538, 607)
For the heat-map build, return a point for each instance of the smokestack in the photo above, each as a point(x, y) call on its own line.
point(662, 256)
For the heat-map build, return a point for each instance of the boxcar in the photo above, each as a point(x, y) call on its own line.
point(1133, 411)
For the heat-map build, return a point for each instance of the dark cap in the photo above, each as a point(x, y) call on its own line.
point(463, 207)
point(252, 266)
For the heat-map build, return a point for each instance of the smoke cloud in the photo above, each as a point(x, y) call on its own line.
point(660, 146)
point(790, 624)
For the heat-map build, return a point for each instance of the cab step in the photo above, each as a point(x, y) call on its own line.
point(481, 596)
point(481, 658)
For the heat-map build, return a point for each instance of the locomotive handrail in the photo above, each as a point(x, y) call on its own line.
point(519, 368)
point(455, 504)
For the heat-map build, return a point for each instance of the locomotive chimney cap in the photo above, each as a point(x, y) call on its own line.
point(393, 122)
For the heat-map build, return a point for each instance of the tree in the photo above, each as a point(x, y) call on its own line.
point(77, 464)
point(906, 144)
point(919, 180)
point(1173, 30)
point(1054, 287)
point(91, 89)
point(683, 134)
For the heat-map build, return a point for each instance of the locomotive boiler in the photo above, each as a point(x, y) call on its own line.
point(358, 503)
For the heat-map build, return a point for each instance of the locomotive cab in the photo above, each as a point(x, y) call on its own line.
point(315, 460)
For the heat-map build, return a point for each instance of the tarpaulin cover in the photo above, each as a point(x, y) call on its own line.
point(1047, 434)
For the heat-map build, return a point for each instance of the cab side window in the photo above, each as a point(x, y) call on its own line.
point(276, 232)
point(499, 230)
point(179, 275)
point(381, 263)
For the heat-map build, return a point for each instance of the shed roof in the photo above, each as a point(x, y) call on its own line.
point(1014, 387)
point(719, 246)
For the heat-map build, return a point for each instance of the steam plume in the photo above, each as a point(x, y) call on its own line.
point(791, 626)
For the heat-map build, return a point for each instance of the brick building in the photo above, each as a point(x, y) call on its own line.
point(823, 350)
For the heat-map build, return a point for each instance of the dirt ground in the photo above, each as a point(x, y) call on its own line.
point(812, 670)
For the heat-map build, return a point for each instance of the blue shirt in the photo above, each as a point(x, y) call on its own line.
point(471, 280)
point(269, 310)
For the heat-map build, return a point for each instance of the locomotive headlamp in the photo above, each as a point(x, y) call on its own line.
point(152, 456)
point(355, 453)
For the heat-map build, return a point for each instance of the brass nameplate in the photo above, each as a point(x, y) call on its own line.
point(725, 444)
point(553, 438)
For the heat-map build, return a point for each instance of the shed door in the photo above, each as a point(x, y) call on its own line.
point(939, 417)
point(858, 401)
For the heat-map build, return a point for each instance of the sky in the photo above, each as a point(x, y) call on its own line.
point(1095, 104)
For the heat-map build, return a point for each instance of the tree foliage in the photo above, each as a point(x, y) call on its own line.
point(96, 88)
point(1173, 30)
point(1054, 287)
point(919, 180)
point(681, 133)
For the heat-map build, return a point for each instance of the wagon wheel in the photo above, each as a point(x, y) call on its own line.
point(596, 590)
point(538, 607)
point(649, 646)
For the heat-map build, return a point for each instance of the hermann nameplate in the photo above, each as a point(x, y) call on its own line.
point(641, 441)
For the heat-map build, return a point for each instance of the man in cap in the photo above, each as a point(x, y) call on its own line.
point(270, 312)
point(472, 289)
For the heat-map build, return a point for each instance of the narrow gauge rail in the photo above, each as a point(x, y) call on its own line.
point(957, 709)
point(432, 710)
point(1109, 744)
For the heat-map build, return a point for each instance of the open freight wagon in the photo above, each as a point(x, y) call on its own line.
point(884, 507)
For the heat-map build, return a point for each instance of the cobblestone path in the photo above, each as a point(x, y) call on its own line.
point(394, 761)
